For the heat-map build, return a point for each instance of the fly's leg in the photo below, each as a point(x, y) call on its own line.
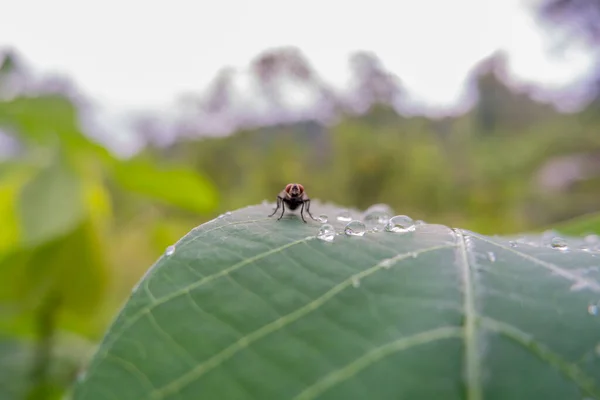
point(302, 213)
point(308, 209)
point(282, 210)
point(277, 208)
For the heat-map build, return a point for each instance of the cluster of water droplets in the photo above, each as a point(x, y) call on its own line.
point(378, 217)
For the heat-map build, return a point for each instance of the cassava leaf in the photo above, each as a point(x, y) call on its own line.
point(175, 186)
point(248, 307)
point(51, 204)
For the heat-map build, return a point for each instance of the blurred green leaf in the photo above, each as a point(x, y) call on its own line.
point(11, 183)
point(17, 357)
point(584, 225)
point(175, 186)
point(73, 267)
point(249, 307)
point(51, 204)
point(42, 120)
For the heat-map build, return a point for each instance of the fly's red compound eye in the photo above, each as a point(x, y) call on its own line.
point(301, 188)
point(288, 187)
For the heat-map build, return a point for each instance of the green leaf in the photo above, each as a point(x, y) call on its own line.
point(18, 358)
point(51, 204)
point(42, 119)
point(248, 307)
point(72, 267)
point(11, 183)
point(584, 225)
point(175, 186)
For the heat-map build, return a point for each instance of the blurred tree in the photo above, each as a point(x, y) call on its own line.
point(374, 84)
point(220, 94)
point(582, 17)
point(581, 20)
point(500, 106)
point(277, 67)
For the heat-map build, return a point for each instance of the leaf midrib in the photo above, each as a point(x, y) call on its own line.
point(472, 367)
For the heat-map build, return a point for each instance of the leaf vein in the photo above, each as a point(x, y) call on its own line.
point(592, 284)
point(274, 326)
point(571, 371)
point(368, 359)
point(161, 300)
point(473, 380)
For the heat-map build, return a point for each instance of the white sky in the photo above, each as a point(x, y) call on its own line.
point(144, 53)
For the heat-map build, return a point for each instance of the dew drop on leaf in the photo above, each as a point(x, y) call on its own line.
point(559, 244)
point(170, 250)
point(355, 282)
point(355, 228)
point(377, 214)
point(400, 224)
point(326, 233)
point(387, 263)
point(322, 218)
point(344, 216)
point(593, 309)
point(228, 213)
point(584, 247)
point(413, 254)
point(491, 256)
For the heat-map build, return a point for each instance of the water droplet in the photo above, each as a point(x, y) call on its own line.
point(322, 218)
point(413, 254)
point(221, 216)
point(355, 228)
point(491, 256)
point(355, 281)
point(344, 216)
point(593, 309)
point(387, 263)
point(170, 250)
point(377, 214)
point(400, 224)
point(228, 213)
point(547, 237)
point(469, 242)
point(326, 233)
point(559, 244)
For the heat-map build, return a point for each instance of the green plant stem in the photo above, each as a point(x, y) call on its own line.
point(46, 328)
